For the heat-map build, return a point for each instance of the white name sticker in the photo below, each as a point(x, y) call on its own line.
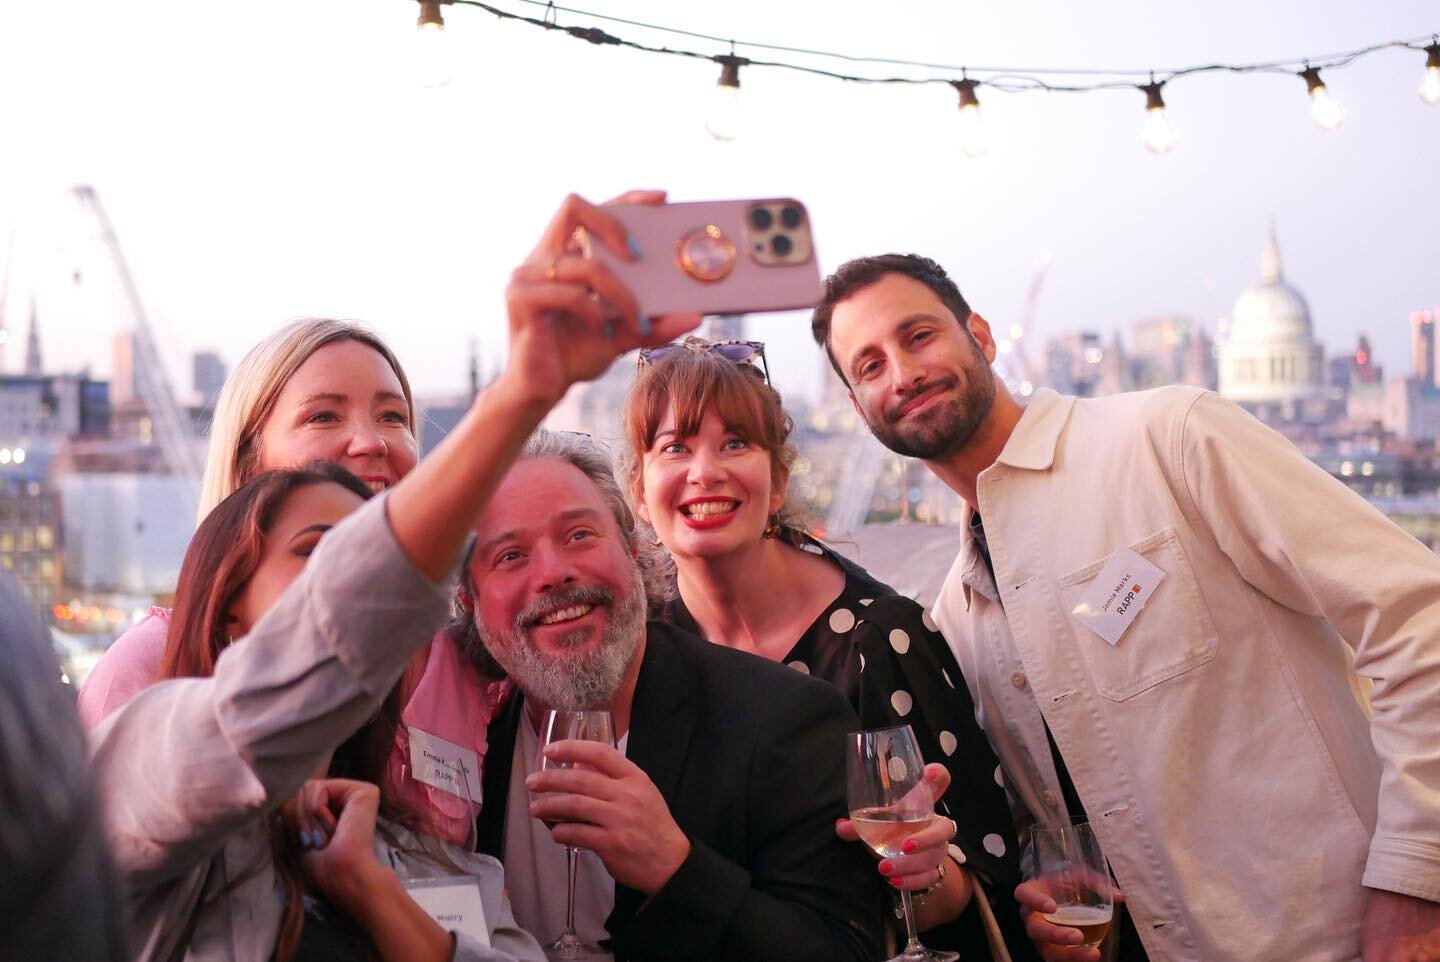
point(1121, 589)
point(445, 765)
point(454, 903)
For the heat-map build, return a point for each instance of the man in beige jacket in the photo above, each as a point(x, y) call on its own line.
point(1165, 621)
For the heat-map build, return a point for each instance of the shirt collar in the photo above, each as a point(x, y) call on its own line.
point(1031, 446)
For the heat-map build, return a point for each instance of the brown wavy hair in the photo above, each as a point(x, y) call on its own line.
point(220, 561)
point(693, 382)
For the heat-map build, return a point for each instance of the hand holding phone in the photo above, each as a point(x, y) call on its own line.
point(718, 257)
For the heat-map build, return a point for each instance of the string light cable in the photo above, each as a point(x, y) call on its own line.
point(1325, 110)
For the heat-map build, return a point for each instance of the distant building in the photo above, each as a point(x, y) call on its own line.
point(30, 544)
point(1270, 358)
point(1422, 346)
point(207, 376)
point(122, 369)
point(53, 406)
point(1072, 363)
point(123, 534)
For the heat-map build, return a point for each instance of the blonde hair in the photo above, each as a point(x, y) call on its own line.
point(251, 390)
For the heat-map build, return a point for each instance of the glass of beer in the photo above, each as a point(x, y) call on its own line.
point(1068, 862)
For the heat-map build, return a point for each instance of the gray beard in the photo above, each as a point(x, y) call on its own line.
point(573, 680)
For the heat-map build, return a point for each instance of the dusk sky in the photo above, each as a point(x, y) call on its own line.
point(264, 160)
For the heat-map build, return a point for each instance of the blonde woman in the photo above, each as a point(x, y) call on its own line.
point(316, 390)
point(322, 390)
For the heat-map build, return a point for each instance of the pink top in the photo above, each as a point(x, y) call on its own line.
point(451, 701)
point(130, 666)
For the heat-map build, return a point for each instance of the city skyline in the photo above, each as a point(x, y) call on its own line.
point(330, 183)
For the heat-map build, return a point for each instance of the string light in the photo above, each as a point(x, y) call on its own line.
point(974, 142)
point(1430, 86)
point(1156, 134)
point(1325, 110)
point(432, 46)
point(724, 118)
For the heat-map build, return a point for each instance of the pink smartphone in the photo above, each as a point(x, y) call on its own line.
point(719, 257)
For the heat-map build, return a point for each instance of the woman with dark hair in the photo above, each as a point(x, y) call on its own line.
point(708, 465)
point(245, 553)
point(192, 769)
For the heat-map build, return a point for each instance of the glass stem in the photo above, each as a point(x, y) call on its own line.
point(912, 941)
point(574, 869)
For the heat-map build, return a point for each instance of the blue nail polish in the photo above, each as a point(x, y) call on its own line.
point(321, 839)
point(304, 839)
point(634, 246)
point(642, 322)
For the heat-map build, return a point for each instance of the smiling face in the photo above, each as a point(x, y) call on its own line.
point(921, 382)
point(708, 493)
point(305, 515)
point(346, 405)
point(559, 601)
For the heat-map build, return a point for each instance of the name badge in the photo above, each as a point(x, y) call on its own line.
point(1121, 589)
point(445, 765)
point(454, 903)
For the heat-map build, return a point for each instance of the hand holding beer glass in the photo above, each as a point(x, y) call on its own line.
point(1065, 863)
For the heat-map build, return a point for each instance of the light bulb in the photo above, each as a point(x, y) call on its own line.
point(973, 140)
point(1156, 133)
point(1325, 110)
point(1430, 86)
point(724, 119)
point(432, 47)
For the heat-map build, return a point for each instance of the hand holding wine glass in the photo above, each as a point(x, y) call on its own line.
point(561, 725)
point(889, 802)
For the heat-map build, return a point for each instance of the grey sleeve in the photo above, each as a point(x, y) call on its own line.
point(190, 760)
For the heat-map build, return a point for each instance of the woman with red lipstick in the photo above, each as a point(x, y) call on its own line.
point(320, 390)
point(707, 466)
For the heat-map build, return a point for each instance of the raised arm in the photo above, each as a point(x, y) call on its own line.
point(190, 760)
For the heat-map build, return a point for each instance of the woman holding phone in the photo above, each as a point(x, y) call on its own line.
point(194, 765)
point(707, 462)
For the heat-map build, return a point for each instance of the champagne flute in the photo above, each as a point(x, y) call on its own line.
point(889, 802)
point(1067, 860)
point(559, 725)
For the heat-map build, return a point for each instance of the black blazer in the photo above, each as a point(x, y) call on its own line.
point(749, 755)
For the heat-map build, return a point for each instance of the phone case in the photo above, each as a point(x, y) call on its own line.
point(719, 257)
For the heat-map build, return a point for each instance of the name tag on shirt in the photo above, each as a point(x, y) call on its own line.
point(1121, 589)
point(454, 903)
point(445, 765)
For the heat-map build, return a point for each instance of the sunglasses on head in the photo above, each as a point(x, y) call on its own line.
point(744, 353)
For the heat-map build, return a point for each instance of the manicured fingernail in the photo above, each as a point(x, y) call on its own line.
point(304, 839)
point(634, 246)
point(317, 841)
point(643, 323)
point(322, 838)
point(909, 846)
point(886, 868)
point(897, 882)
point(531, 779)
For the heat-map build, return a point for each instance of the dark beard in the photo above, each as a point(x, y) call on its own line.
point(947, 426)
point(572, 680)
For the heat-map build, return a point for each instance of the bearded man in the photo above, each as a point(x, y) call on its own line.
point(708, 833)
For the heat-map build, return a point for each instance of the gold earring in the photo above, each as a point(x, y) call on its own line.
point(772, 529)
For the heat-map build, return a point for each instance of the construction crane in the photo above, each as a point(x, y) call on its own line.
point(1014, 362)
point(173, 430)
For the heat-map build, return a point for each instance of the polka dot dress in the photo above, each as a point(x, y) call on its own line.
point(886, 656)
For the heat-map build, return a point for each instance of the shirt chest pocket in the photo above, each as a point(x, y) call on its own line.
point(1171, 635)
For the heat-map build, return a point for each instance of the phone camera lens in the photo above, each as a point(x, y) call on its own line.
point(790, 216)
point(781, 245)
point(761, 218)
